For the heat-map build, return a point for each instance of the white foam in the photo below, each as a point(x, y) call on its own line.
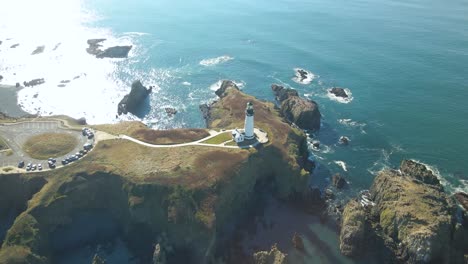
point(216, 61)
point(341, 99)
point(298, 78)
point(186, 83)
point(342, 164)
point(95, 94)
point(136, 33)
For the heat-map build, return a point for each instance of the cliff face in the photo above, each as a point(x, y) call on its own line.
point(413, 220)
point(185, 195)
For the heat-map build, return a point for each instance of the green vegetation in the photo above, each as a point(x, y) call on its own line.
point(221, 138)
point(49, 145)
point(3, 144)
point(159, 137)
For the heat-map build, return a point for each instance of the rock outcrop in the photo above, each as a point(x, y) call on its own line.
point(170, 111)
point(132, 102)
point(112, 52)
point(224, 85)
point(297, 242)
point(338, 181)
point(339, 92)
point(34, 82)
point(302, 112)
point(462, 198)
point(411, 220)
point(38, 50)
point(274, 256)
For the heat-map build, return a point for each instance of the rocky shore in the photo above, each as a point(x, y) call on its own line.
point(410, 219)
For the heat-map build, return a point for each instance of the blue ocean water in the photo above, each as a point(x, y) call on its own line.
point(406, 63)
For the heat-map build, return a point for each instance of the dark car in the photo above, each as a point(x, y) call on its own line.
point(90, 136)
point(52, 160)
point(52, 165)
point(21, 164)
point(87, 146)
point(85, 131)
point(64, 162)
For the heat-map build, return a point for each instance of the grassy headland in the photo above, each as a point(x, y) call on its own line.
point(49, 145)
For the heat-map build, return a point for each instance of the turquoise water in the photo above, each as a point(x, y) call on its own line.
point(404, 61)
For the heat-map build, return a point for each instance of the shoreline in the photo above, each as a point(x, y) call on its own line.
point(9, 101)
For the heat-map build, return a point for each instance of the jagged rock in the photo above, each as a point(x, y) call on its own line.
point(205, 109)
point(1, 77)
point(226, 84)
point(344, 140)
point(38, 50)
point(132, 101)
point(64, 81)
point(411, 218)
point(316, 144)
point(338, 181)
point(170, 111)
point(303, 112)
point(34, 82)
point(274, 256)
point(17, 85)
point(14, 45)
point(313, 197)
point(339, 92)
point(419, 172)
point(56, 46)
point(159, 255)
point(297, 242)
point(112, 52)
point(1, 42)
point(98, 260)
point(462, 198)
point(115, 52)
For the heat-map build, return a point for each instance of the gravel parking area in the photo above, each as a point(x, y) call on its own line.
point(15, 135)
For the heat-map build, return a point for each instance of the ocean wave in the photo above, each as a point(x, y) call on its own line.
point(215, 61)
point(341, 99)
point(186, 83)
point(341, 164)
point(132, 33)
point(303, 76)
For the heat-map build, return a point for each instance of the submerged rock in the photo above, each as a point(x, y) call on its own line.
point(339, 92)
point(302, 112)
point(132, 102)
point(297, 242)
point(274, 256)
point(344, 140)
point(38, 50)
point(14, 45)
point(408, 220)
point(170, 111)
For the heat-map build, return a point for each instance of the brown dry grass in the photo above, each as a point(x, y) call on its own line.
point(3, 144)
point(139, 131)
point(48, 145)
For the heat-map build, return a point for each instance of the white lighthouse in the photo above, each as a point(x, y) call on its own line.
point(249, 122)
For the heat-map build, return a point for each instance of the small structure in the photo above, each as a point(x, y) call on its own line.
point(237, 136)
point(249, 122)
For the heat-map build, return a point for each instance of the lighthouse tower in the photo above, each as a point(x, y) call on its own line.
point(249, 122)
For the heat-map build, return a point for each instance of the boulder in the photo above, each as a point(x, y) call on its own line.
point(1, 77)
point(226, 84)
point(297, 242)
point(17, 85)
point(419, 172)
point(170, 111)
point(274, 256)
point(339, 92)
point(38, 50)
point(132, 102)
point(94, 46)
point(338, 181)
point(462, 198)
point(302, 112)
point(14, 45)
point(34, 82)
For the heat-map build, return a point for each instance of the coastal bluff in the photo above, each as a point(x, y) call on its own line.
point(184, 196)
point(411, 219)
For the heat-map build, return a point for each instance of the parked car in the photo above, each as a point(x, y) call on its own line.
point(87, 146)
point(64, 162)
point(21, 164)
point(52, 160)
point(34, 167)
point(84, 131)
point(52, 166)
point(39, 167)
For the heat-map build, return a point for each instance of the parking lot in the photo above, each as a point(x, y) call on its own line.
point(15, 135)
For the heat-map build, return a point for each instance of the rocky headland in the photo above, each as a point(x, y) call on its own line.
point(300, 111)
point(180, 198)
point(410, 219)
